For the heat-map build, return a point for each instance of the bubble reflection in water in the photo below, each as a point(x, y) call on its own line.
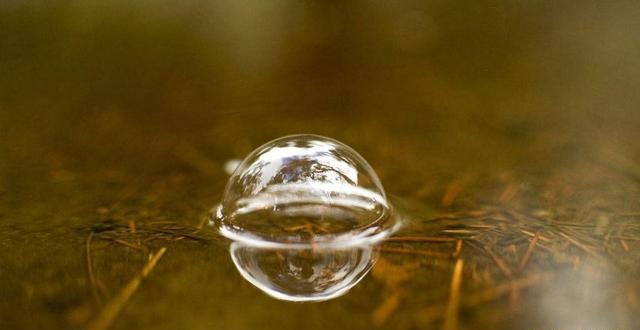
point(303, 275)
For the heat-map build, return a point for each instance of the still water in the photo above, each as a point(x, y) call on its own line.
point(504, 133)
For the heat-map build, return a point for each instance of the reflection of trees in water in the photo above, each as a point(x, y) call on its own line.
point(250, 180)
point(303, 274)
point(305, 169)
point(297, 170)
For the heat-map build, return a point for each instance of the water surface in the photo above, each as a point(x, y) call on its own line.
point(492, 123)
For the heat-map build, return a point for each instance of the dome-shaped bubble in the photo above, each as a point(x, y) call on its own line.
point(304, 189)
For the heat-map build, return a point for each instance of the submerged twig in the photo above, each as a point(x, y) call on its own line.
point(580, 245)
point(115, 305)
point(502, 265)
point(624, 245)
point(527, 253)
point(190, 236)
point(451, 192)
point(90, 274)
point(127, 244)
point(415, 252)
point(134, 231)
point(508, 193)
point(420, 239)
point(437, 311)
point(382, 313)
point(503, 289)
point(458, 248)
point(451, 313)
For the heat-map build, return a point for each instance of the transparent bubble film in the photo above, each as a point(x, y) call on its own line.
point(304, 189)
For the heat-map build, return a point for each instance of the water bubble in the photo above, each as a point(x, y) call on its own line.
point(231, 165)
point(304, 213)
point(304, 189)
